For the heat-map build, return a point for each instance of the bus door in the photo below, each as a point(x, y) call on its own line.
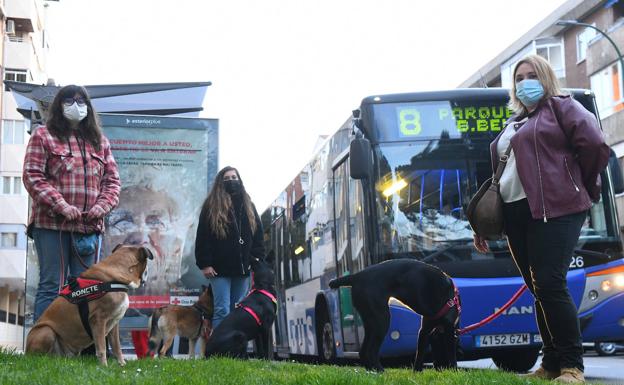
point(351, 254)
point(277, 243)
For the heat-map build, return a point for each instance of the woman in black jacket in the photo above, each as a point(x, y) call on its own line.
point(229, 234)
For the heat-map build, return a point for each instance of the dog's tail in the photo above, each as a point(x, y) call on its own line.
point(347, 280)
point(154, 332)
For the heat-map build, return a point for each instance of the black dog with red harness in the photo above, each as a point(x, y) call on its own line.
point(250, 320)
point(425, 289)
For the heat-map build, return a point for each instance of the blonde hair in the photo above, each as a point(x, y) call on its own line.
point(545, 75)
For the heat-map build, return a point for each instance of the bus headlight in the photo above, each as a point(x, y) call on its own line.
point(601, 285)
point(394, 187)
point(617, 281)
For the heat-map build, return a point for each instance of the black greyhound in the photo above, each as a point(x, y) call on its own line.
point(251, 320)
point(426, 289)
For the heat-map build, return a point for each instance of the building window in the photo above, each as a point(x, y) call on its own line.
point(582, 42)
point(552, 50)
point(13, 131)
point(15, 75)
point(11, 185)
point(17, 185)
point(8, 240)
point(607, 85)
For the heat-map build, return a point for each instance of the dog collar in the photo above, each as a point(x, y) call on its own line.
point(267, 293)
point(451, 303)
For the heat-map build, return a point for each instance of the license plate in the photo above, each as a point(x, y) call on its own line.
point(503, 340)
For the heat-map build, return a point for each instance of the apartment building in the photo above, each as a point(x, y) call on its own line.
point(24, 47)
point(582, 58)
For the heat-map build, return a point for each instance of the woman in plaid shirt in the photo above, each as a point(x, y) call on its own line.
point(72, 178)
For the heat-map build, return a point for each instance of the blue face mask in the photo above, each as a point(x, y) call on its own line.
point(529, 91)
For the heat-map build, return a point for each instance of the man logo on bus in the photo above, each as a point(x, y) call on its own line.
point(409, 122)
point(517, 310)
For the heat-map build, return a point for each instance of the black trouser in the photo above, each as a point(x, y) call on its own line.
point(542, 252)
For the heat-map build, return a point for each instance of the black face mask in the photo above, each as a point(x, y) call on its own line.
point(233, 186)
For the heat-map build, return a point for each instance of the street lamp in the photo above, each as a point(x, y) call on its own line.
point(574, 22)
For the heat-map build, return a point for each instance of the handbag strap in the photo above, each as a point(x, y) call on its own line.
point(502, 162)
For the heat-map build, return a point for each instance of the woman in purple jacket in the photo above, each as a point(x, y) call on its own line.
point(549, 183)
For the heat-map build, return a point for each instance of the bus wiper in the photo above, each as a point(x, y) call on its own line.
point(592, 254)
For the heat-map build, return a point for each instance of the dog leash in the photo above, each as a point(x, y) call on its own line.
point(494, 315)
point(71, 242)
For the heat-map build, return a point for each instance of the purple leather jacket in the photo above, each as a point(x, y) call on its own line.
point(560, 152)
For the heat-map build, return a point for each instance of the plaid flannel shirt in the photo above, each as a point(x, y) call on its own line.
point(57, 175)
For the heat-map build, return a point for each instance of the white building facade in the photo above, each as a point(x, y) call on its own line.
point(24, 52)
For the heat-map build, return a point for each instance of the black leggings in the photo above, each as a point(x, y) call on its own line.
point(542, 251)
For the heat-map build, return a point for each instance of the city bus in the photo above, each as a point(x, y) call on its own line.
point(394, 182)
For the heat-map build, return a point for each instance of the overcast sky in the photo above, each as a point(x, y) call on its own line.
point(283, 71)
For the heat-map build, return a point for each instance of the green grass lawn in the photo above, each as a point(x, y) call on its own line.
point(40, 370)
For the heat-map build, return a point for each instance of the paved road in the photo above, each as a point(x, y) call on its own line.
point(598, 370)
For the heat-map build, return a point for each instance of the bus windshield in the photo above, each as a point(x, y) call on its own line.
point(433, 156)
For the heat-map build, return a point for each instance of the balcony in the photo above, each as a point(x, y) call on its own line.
point(14, 208)
point(25, 13)
point(13, 268)
point(19, 52)
point(600, 52)
point(12, 157)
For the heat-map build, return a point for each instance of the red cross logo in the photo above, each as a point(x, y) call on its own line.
point(175, 301)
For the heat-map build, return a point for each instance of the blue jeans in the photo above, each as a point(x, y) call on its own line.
point(49, 244)
point(227, 292)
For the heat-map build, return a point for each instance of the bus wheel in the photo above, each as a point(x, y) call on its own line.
point(605, 348)
point(516, 360)
point(325, 338)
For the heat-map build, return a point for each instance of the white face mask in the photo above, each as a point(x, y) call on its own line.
point(75, 113)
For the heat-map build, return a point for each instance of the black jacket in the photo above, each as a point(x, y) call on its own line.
point(227, 256)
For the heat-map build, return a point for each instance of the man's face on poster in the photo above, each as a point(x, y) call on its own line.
point(148, 217)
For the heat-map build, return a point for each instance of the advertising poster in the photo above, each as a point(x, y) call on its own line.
point(166, 166)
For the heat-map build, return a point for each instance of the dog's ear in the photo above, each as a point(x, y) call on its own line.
point(145, 253)
point(117, 247)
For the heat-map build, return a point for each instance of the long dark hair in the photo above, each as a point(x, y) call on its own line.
point(59, 126)
point(218, 205)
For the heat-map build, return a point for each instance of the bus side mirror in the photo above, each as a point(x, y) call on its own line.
point(360, 158)
point(616, 173)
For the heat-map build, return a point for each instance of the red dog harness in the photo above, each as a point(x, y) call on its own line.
point(81, 291)
point(251, 311)
point(451, 303)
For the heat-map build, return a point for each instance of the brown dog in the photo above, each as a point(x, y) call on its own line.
point(60, 330)
point(192, 322)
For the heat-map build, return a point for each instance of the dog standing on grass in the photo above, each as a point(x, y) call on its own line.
point(426, 289)
point(192, 322)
